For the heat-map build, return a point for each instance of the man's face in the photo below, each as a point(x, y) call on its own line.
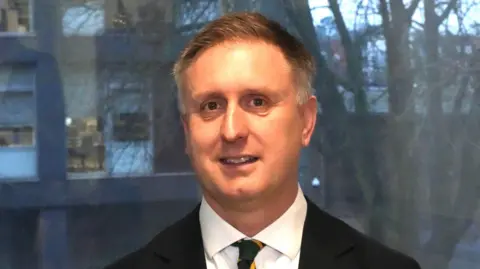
point(244, 129)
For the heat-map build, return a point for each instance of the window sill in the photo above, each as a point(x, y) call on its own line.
point(17, 34)
point(7, 179)
point(105, 175)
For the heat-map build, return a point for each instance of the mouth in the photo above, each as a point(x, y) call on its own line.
point(238, 160)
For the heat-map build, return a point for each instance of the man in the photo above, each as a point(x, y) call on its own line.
point(248, 109)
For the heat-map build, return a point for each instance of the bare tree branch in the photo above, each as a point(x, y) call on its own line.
point(418, 23)
point(191, 26)
point(461, 94)
point(371, 30)
point(202, 12)
point(446, 11)
point(411, 9)
point(385, 16)
point(341, 26)
point(464, 83)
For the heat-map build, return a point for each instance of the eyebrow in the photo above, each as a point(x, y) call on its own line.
point(209, 94)
point(212, 94)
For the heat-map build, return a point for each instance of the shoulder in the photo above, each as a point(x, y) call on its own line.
point(350, 244)
point(377, 255)
point(130, 261)
point(155, 253)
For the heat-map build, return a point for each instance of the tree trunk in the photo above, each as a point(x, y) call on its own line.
point(363, 133)
point(336, 145)
point(402, 170)
point(451, 220)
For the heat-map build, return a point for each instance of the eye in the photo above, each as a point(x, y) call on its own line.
point(257, 102)
point(210, 106)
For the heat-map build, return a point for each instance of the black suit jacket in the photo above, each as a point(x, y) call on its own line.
point(327, 243)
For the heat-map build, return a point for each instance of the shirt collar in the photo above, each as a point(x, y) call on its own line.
point(289, 226)
point(217, 234)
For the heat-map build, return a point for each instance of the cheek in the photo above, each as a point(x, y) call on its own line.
point(281, 129)
point(283, 143)
point(275, 138)
point(202, 140)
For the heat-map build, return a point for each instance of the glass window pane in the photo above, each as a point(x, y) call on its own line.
point(17, 121)
point(83, 17)
point(15, 16)
point(92, 148)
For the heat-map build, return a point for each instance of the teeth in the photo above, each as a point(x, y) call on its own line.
point(238, 160)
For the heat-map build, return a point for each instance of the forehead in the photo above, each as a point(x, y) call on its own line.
point(243, 64)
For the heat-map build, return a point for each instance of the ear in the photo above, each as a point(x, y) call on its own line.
point(309, 110)
point(184, 120)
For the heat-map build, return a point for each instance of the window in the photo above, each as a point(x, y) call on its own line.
point(83, 18)
point(17, 106)
point(92, 151)
point(125, 98)
point(15, 16)
point(131, 127)
point(84, 136)
point(109, 121)
point(10, 136)
point(468, 49)
point(95, 17)
point(17, 121)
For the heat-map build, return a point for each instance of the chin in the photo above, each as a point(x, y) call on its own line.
point(242, 191)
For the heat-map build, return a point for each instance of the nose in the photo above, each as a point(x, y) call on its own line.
point(234, 126)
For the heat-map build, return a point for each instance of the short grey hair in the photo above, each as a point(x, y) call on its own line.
point(248, 26)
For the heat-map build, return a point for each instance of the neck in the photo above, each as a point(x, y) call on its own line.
point(253, 215)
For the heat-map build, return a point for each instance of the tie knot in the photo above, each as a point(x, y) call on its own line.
point(248, 249)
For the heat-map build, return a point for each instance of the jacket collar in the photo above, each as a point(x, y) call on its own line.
point(326, 241)
point(180, 245)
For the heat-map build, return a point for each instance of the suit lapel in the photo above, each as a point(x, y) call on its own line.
point(181, 246)
point(325, 242)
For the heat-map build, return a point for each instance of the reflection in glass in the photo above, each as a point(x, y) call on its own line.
point(17, 112)
point(82, 18)
point(84, 141)
point(15, 16)
point(108, 124)
point(395, 153)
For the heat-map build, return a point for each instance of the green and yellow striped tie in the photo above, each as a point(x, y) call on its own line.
point(248, 249)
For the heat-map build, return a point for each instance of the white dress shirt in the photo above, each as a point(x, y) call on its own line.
point(282, 238)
